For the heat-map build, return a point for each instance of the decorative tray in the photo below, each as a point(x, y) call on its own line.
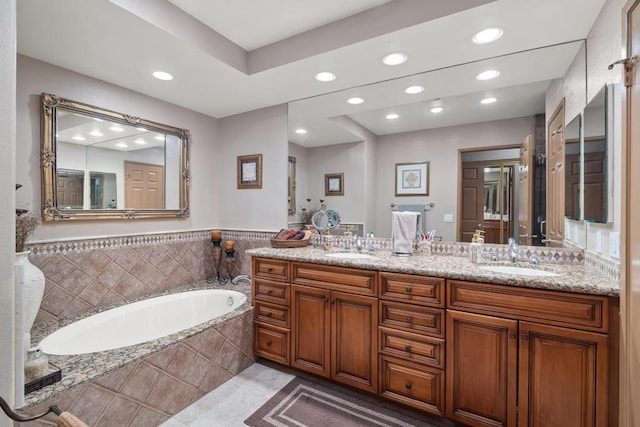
point(276, 243)
point(54, 375)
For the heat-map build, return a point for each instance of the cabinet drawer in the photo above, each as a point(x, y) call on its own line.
point(271, 343)
point(414, 347)
point(274, 269)
point(268, 313)
point(351, 280)
point(414, 289)
point(412, 384)
point(270, 291)
point(589, 312)
point(412, 318)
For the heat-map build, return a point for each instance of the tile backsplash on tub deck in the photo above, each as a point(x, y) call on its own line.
point(85, 274)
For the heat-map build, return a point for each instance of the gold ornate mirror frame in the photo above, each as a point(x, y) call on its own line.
point(51, 211)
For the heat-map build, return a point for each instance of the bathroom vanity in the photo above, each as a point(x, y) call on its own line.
point(445, 336)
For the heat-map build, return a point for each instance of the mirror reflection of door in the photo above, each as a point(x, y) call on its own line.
point(70, 188)
point(144, 187)
point(489, 191)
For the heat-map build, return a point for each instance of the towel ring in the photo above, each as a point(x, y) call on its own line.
point(19, 418)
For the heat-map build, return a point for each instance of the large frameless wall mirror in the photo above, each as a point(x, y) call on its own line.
point(595, 154)
point(573, 168)
point(100, 164)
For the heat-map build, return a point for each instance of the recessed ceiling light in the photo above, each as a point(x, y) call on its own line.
point(121, 144)
point(488, 100)
point(159, 137)
point(412, 90)
point(96, 133)
point(140, 141)
point(116, 129)
point(162, 75)
point(98, 120)
point(355, 100)
point(141, 129)
point(301, 131)
point(325, 76)
point(487, 170)
point(394, 58)
point(79, 138)
point(392, 116)
point(436, 110)
point(488, 75)
point(487, 36)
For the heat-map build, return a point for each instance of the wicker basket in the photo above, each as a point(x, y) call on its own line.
point(289, 243)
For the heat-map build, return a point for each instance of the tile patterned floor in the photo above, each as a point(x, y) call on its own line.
point(234, 401)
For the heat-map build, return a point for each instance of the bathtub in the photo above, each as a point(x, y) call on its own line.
point(141, 321)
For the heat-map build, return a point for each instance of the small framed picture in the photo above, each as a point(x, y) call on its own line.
point(250, 171)
point(334, 184)
point(412, 179)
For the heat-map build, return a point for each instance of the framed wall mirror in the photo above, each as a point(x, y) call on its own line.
point(573, 168)
point(101, 164)
point(595, 157)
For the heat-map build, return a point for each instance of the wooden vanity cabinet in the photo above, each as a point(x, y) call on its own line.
point(334, 333)
point(271, 313)
point(411, 341)
point(527, 363)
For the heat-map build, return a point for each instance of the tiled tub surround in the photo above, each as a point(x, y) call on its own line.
point(145, 384)
point(85, 274)
point(571, 277)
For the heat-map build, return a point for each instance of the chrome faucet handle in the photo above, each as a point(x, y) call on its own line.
point(534, 259)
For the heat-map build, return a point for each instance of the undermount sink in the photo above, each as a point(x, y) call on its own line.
point(348, 255)
point(518, 271)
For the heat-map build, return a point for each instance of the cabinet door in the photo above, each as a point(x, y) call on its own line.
point(481, 369)
point(563, 377)
point(354, 321)
point(310, 329)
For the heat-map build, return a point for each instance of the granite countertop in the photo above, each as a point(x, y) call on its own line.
point(570, 278)
point(83, 367)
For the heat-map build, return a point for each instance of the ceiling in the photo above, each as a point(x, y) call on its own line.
point(229, 57)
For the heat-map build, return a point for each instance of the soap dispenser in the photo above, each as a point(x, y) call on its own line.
point(476, 246)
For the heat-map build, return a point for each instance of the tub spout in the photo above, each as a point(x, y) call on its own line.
point(237, 279)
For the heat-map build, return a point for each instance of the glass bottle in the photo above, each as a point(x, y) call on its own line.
point(36, 366)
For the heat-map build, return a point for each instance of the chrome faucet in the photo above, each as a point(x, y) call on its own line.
point(513, 249)
point(357, 243)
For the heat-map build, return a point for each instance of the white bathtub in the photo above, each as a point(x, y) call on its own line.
point(141, 321)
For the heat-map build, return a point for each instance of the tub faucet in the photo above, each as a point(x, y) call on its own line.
point(513, 249)
point(236, 279)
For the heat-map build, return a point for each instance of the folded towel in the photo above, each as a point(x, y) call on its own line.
point(403, 231)
point(67, 419)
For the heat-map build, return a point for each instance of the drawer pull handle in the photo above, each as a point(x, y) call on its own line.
point(333, 301)
point(408, 385)
point(268, 343)
point(513, 336)
point(409, 319)
point(407, 348)
point(409, 289)
point(269, 269)
point(525, 337)
point(268, 314)
point(270, 291)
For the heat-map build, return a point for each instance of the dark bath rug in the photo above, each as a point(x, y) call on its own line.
point(311, 404)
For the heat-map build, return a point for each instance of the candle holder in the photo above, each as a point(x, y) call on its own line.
point(230, 263)
point(216, 254)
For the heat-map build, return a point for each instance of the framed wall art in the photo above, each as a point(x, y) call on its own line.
point(334, 184)
point(412, 179)
point(250, 171)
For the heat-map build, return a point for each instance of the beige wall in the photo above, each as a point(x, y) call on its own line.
point(440, 147)
point(263, 132)
point(35, 77)
point(581, 83)
point(7, 193)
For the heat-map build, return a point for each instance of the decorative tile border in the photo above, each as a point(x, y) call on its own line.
point(607, 267)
